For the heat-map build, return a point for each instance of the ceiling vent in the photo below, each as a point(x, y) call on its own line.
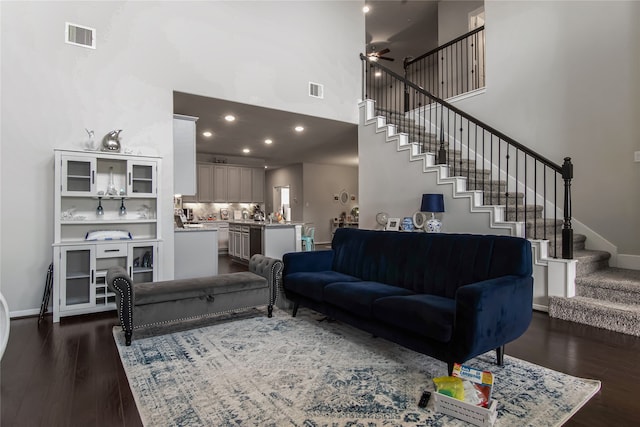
point(316, 90)
point(79, 35)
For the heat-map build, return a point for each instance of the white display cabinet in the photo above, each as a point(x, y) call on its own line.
point(126, 188)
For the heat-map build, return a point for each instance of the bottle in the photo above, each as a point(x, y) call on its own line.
point(111, 189)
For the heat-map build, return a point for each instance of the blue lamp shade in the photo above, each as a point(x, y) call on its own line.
point(432, 203)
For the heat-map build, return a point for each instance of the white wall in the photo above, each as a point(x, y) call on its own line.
point(572, 90)
point(453, 18)
point(262, 53)
point(321, 183)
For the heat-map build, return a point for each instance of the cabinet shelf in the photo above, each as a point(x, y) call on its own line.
point(72, 276)
point(133, 195)
point(108, 221)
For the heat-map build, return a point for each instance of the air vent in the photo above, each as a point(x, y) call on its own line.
point(79, 35)
point(316, 90)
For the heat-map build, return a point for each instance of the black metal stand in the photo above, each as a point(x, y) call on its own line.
point(48, 285)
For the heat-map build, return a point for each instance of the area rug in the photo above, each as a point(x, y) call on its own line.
point(250, 370)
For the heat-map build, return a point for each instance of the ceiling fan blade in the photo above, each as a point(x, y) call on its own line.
point(383, 51)
point(386, 58)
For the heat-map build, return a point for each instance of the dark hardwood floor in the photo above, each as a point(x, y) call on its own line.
point(69, 374)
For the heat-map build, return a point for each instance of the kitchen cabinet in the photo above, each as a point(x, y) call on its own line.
point(205, 183)
point(184, 155)
point(100, 196)
point(220, 184)
point(257, 185)
point(233, 183)
point(228, 184)
point(244, 243)
point(246, 182)
point(223, 237)
point(237, 243)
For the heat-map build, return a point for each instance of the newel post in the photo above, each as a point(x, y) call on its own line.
point(567, 231)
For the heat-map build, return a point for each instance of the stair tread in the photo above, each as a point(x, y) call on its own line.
point(617, 317)
point(612, 278)
point(590, 255)
point(595, 303)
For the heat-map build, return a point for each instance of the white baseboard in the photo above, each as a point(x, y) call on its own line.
point(539, 307)
point(632, 262)
point(25, 313)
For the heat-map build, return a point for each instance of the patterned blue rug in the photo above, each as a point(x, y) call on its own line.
point(248, 370)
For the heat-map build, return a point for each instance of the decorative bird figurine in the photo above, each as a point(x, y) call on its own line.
point(111, 141)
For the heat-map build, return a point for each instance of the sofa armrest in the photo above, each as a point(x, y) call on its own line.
point(121, 284)
point(491, 313)
point(270, 269)
point(313, 261)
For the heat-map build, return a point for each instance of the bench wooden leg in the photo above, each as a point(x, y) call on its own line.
point(127, 337)
point(270, 311)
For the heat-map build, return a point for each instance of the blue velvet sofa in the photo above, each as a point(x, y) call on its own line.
point(450, 296)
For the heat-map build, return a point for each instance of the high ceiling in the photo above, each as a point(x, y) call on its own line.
point(404, 26)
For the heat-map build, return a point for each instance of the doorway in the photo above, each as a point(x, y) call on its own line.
point(281, 201)
point(476, 50)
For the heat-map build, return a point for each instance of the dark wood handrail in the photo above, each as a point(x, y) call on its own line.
point(444, 46)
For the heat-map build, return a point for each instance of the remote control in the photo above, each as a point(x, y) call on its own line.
point(424, 399)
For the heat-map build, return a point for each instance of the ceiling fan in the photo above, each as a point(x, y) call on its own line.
point(374, 56)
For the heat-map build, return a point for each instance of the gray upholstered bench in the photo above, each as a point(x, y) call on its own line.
point(141, 304)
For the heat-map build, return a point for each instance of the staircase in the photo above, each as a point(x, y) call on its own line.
point(606, 297)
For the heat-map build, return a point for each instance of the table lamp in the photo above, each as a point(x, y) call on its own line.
point(432, 203)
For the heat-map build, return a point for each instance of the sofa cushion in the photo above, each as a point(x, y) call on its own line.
point(311, 284)
point(427, 315)
point(358, 297)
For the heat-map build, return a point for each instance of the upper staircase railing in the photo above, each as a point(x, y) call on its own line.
point(507, 172)
point(452, 69)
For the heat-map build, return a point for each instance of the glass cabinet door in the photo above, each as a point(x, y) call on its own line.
point(142, 178)
point(77, 277)
point(78, 175)
point(142, 262)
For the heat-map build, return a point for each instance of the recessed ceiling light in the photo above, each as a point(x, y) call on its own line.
point(366, 9)
point(265, 166)
point(299, 128)
point(246, 150)
point(268, 141)
point(229, 117)
point(207, 134)
point(378, 73)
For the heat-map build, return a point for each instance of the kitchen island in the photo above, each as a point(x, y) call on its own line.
point(247, 237)
point(195, 252)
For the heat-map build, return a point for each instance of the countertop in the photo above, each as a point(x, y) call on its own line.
point(265, 224)
point(192, 229)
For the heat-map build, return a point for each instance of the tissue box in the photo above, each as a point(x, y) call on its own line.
point(476, 415)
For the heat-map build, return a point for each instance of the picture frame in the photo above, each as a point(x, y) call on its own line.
point(393, 224)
